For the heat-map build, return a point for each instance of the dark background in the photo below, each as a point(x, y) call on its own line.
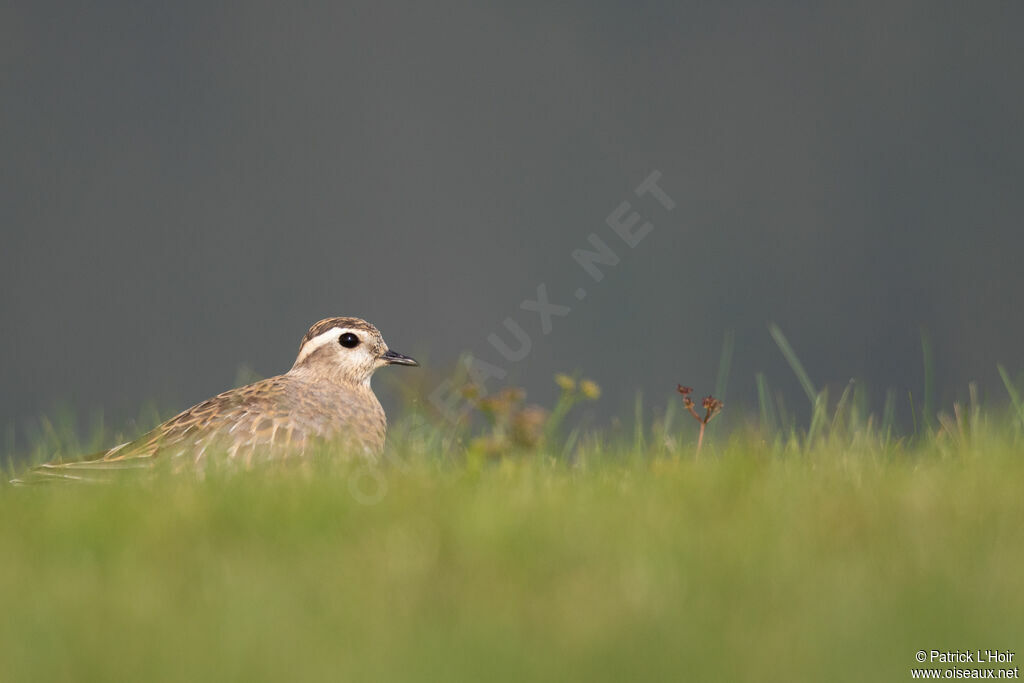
point(187, 186)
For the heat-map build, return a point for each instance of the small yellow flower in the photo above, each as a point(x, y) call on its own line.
point(566, 382)
point(590, 389)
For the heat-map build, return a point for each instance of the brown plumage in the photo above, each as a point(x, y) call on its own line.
point(324, 399)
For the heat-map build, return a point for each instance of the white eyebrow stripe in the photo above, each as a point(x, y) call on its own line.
point(322, 339)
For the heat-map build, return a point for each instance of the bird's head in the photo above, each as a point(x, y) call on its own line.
point(349, 349)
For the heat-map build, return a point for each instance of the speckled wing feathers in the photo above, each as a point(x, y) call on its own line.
point(278, 417)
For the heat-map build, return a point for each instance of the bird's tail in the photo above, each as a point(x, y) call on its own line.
point(94, 468)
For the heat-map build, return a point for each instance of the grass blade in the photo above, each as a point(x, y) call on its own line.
point(764, 401)
point(818, 417)
point(913, 410)
point(929, 379)
point(794, 362)
point(725, 364)
point(638, 424)
point(1012, 391)
point(888, 413)
point(841, 406)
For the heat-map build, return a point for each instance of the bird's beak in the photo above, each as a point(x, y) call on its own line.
point(393, 358)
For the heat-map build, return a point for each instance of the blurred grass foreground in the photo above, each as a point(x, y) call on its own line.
point(524, 551)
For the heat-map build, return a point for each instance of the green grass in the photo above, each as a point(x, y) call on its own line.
point(521, 546)
point(767, 558)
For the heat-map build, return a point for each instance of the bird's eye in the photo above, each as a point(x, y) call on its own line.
point(349, 340)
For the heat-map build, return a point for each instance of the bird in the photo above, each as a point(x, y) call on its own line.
point(324, 400)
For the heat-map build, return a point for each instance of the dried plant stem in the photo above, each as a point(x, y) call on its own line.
point(712, 406)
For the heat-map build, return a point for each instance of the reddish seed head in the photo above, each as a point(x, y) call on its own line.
point(685, 391)
point(712, 405)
